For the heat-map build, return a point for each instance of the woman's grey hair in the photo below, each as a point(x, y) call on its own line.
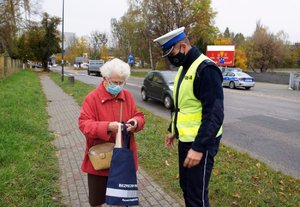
point(115, 66)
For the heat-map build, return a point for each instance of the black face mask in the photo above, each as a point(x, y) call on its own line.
point(177, 60)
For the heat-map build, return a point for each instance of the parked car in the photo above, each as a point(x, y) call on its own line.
point(234, 79)
point(81, 65)
point(94, 66)
point(84, 65)
point(158, 85)
point(37, 65)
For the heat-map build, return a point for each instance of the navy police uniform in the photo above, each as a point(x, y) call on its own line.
point(207, 88)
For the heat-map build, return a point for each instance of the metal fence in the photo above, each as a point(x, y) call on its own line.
point(269, 77)
point(294, 81)
point(8, 65)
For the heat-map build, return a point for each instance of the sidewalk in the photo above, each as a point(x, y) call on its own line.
point(63, 112)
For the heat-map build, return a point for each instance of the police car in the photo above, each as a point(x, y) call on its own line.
point(234, 79)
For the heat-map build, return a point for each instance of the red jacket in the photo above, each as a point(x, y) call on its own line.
point(98, 109)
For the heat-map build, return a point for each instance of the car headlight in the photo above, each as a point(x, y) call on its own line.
point(171, 88)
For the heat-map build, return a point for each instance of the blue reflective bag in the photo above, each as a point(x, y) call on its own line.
point(122, 189)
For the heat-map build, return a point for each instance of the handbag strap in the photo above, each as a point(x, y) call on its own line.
point(121, 111)
point(125, 136)
point(118, 142)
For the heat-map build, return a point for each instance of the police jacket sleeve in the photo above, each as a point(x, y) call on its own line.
point(208, 89)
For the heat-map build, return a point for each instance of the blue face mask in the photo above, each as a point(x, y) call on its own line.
point(114, 89)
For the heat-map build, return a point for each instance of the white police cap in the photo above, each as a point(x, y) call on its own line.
point(167, 41)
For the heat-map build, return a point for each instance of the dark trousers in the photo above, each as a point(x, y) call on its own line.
point(194, 181)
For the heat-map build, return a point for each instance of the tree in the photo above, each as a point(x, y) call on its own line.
point(50, 37)
point(78, 47)
point(227, 33)
point(222, 41)
point(201, 22)
point(148, 19)
point(12, 13)
point(238, 39)
point(293, 59)
point(40, 41)
point(97, 41)
point(265, 50)
point(130, 34)
point(104, 53)
point(240, 60)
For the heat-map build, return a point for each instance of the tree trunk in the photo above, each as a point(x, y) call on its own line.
point(150, 54)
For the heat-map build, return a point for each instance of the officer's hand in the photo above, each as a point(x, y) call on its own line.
point(113, 126)
point(192, 159)
point(169, 140)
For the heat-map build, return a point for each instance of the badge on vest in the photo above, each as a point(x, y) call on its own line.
point(188, 77)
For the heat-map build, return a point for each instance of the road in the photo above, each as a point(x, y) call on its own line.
point(263, 122)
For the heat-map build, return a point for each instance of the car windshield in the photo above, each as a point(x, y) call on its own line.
point(169, 76)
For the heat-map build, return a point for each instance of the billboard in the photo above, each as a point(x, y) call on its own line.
point(222, 55)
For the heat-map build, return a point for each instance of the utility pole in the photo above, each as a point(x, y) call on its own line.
point(62, 42)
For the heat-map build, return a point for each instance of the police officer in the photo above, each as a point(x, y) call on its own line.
point(197, 116)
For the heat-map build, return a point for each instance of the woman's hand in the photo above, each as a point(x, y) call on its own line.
point(131, 125)
point(113, 126)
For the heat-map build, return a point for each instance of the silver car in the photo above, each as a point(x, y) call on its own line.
point(94, 66)
point(234, 79)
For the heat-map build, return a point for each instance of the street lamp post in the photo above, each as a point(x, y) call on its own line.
point(62, 42)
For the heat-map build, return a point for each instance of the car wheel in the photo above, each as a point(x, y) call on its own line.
point(231, 85)
point(168, 103)
point(247, 88)
point(144, 95)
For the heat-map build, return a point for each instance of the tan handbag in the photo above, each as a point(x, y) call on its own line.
point(100, 155)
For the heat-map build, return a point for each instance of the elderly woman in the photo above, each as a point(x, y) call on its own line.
point(101, 112)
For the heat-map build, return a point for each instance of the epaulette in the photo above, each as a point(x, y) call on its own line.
point(208, 62)
point(204, 64)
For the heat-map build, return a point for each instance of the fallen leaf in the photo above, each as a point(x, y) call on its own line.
point(239, 181)
point(237, 195)
point(166, 162)
point(216, 171)
point(282, 193)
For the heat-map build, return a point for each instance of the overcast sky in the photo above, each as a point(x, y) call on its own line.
point(84, 16)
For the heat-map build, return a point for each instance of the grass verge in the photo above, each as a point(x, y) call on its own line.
point(139, 73)
point(238, 180)
point(28, 165)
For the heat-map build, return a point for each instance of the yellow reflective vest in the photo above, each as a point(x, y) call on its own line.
point(189, 115)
